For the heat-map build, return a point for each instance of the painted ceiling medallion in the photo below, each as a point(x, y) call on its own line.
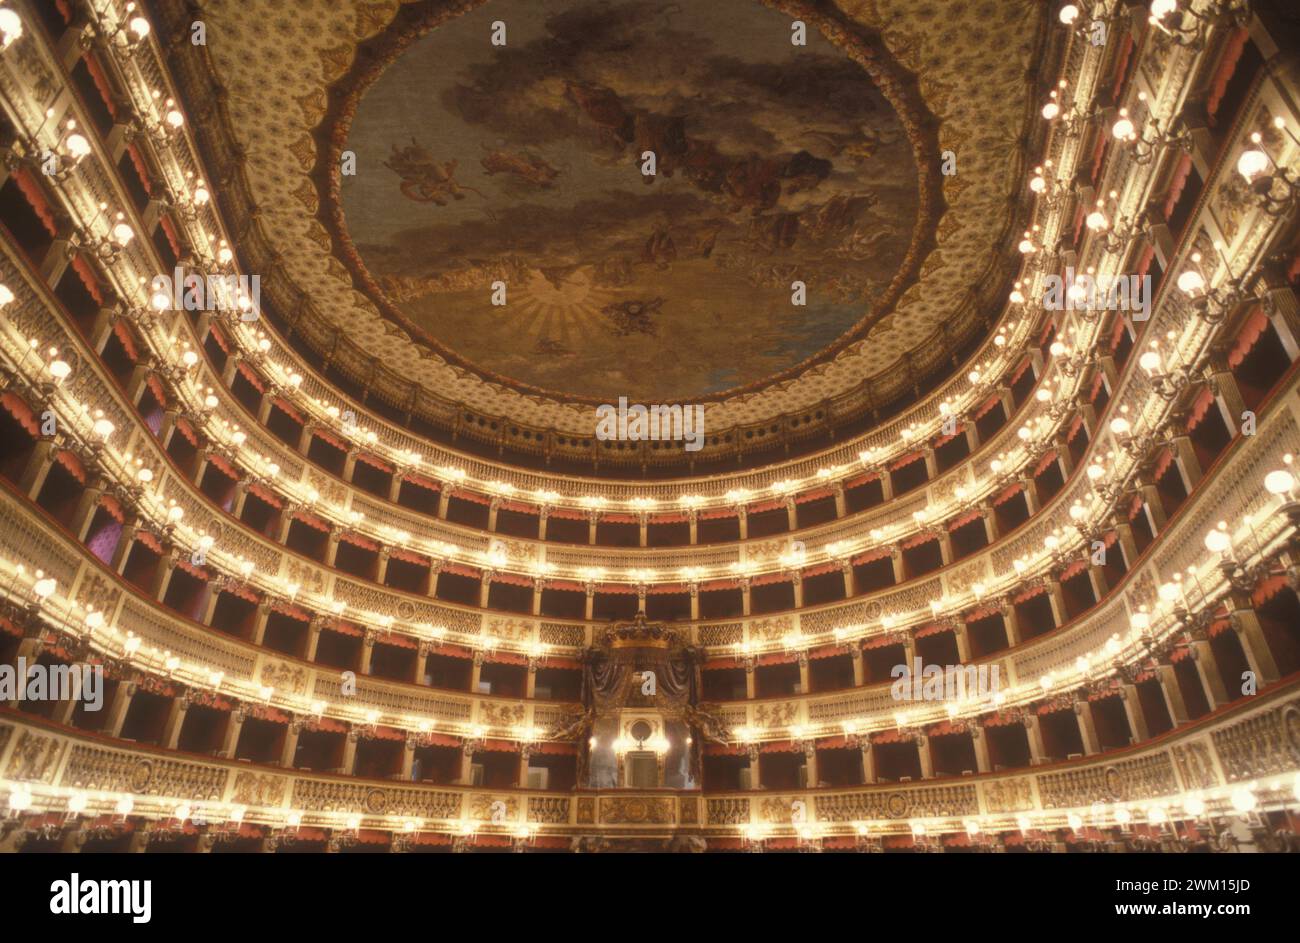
point(521, 168)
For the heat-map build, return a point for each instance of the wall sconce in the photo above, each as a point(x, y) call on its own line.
point(1167, 384)
point(1145, 148)
point(1265, 177)
point(1212, 304)
point(1167, 17)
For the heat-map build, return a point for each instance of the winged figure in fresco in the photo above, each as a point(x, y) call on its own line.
point(424, 179)
point(522, 165)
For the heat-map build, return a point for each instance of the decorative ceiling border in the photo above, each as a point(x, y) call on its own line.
point(295, 317)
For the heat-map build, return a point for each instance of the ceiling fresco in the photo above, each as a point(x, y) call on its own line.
point(354, 267)
point(520, 167)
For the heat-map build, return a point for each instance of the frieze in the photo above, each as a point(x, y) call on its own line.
point(35, 758)
point(1009, 795)
point(636, 810)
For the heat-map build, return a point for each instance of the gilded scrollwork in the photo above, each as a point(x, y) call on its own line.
point(636, 810)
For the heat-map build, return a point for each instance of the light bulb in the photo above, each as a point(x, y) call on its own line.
point(1051, 110)
point(1069, 13)
point(76, 146)
point(1162, 8)
point(1252, 163)
point(1191, 282)
point(1123, 129)
point(11, 27)
point(1216, 541)
point(1149, 361)
point(1279, 482)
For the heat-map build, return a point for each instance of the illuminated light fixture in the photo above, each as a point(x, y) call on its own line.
point(1243, 800)
point(77, 803)
point(1074, 820)
point(20, 799)
point(102, 429)
point(189, 359)
point(1194, 806)
point(122, 233)
point(201, 194)
point(1069, 13)
point(45, 588)
point(6, 296)
point(1120, 426)
point(60, 370)
point(1051, 110)
point(1280, 482)
point(1217, 541)
point(1097, 221)
point(138, 26)
point(1252, 163)
point(76, 146)
point(1162, 8)
point(11, 27)
point(1124, 129)
point(1191, 283)
point(1149, 361)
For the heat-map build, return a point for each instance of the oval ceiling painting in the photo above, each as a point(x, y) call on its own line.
point(641, 184)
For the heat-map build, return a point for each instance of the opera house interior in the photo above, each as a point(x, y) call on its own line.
point(971, 529)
